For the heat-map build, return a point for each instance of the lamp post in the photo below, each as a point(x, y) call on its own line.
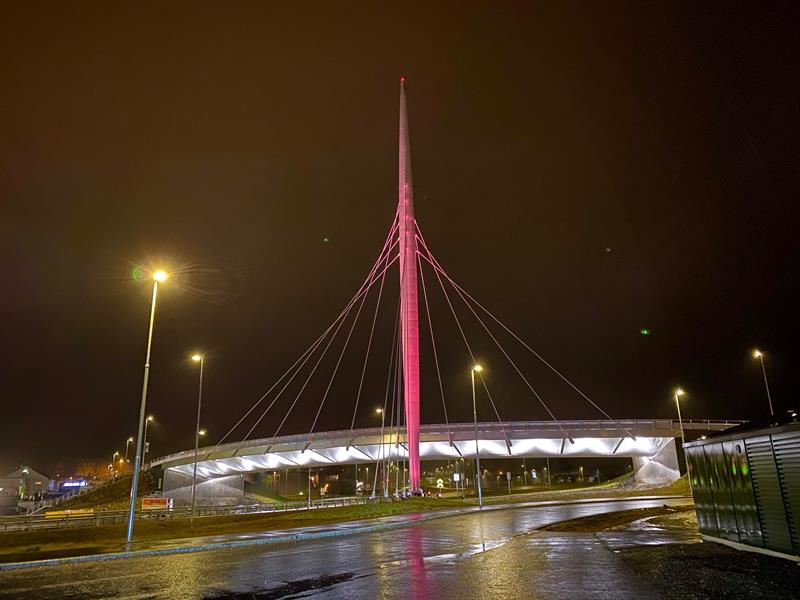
point(473, 370)
point(127, 444)
point(375, 483)
point(201, 359)
point(158, 277)
point(150, 419)
point(760, 356)
point(114, 460)
point(678, 393)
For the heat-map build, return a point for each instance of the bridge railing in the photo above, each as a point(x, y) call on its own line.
point(115, 517)
point(300, 440)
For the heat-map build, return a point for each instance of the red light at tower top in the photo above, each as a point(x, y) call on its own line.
point(402, 79)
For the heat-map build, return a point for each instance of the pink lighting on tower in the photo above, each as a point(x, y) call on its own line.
point(409, 315)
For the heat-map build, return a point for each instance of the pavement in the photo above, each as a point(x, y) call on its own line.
point(494, 552)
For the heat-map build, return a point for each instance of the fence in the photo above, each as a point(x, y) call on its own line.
point(117, 517)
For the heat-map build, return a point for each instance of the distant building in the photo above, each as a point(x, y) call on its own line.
point(23, 485)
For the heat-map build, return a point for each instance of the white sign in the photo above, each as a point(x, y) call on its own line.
point(456, 476)
point(508, 475)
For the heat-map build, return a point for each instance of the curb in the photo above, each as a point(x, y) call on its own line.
point(296, 537)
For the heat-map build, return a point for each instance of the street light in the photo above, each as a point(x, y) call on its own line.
point(678, 393)
point(158, 277)
point(760, 356)
point(128, 442)
point(380, 412)
point(201, 359)
point(150, 419)
point(472, 371)
point(113, 460)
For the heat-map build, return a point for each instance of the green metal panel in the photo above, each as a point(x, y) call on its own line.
point(786, 447)
point(701, 490)
point(767, 489)
point(744, 500)
point(721, 491)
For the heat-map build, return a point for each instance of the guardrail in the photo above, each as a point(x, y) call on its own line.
point(115, 517)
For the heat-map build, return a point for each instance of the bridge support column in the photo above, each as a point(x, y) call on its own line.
point(659, 469)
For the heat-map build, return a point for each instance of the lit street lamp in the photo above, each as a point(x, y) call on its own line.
point(158, 277)
point(375, 483)
point(678, 393)
point(472, 371)
point(201, 359)
point(760, 356)
point(150, 419)
point(113, 460)
point(128, 442)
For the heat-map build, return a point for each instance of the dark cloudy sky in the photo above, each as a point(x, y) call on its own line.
point(228, 139)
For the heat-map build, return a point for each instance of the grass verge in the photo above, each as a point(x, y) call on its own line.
point(32, 545)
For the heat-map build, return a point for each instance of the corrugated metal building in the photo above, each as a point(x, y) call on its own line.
point(746, 486)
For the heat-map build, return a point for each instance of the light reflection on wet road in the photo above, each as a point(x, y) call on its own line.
point(468, 556)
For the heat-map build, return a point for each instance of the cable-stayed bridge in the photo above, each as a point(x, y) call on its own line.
point(650, 443)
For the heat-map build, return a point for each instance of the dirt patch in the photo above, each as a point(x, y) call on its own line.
point(614, 519)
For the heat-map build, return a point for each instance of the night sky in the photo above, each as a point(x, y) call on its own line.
point(584, 172)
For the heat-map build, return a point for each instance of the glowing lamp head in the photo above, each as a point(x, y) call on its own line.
point(757, 354)
point(477, 368)
point(202, 432)
point(379, 411)
point(160, 276)
point(679, 392)
point(197, 357)
point(130, 439)
point(151, 418)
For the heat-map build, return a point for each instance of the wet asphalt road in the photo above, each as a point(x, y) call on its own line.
point(466, 556)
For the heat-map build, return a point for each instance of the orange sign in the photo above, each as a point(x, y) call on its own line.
point(155, 504)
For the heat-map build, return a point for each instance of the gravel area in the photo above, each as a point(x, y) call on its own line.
point(708, 570)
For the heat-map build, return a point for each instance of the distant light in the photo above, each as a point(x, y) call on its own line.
point(197, 357)
point(379, 410)
point(151, 418)
point(202, 432)
point(757, 354)
point(477, 368)
point(644, 331)
point(679, 392)
point(130, 439)
point(160, 276)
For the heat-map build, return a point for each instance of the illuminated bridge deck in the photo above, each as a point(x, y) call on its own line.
point(441, 442)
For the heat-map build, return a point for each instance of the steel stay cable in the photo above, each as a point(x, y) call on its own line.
point(363, 291)
point(435, 264)
point(324, 352)
point(366, 354)
point(384, 251)
point(341, 354)
point(433, 345)
point(535, 393)
point(466, 343)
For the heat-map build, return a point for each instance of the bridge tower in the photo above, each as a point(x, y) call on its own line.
point(409, 314)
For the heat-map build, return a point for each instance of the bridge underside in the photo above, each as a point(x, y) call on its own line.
point(651, 446)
